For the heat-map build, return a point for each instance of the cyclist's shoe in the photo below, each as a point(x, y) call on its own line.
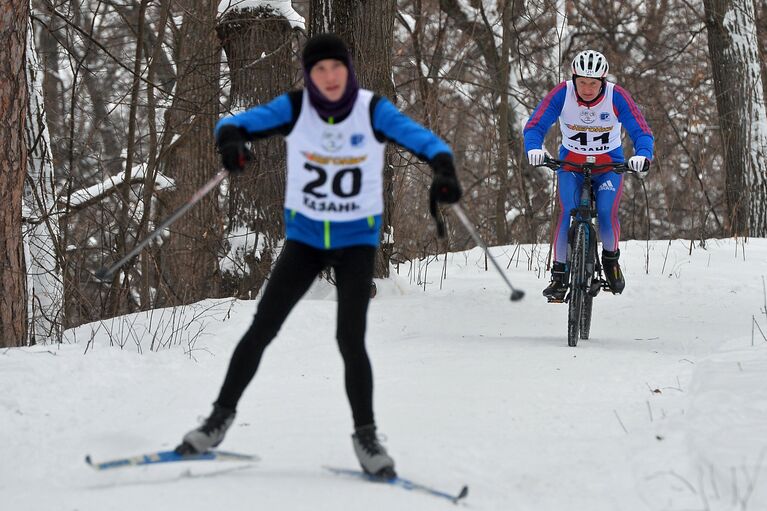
point(557, 288)
point(613, 271)
point(210, 434)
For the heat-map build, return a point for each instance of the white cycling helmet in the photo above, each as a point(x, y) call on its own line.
point(591, 64)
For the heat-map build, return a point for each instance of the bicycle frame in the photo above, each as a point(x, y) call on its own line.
point(585, 267)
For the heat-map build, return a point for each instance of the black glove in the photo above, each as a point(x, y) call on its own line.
point(231, 146)
point(444, 184)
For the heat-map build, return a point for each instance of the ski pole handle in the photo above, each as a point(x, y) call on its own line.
point(434, 210)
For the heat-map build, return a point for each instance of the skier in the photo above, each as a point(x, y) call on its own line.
point(336, 134)
point(591, 112)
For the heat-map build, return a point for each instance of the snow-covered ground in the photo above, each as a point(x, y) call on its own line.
point(665, 408)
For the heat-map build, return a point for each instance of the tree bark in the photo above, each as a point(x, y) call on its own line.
point(367, 27)
point(14, 15)
point(740, 102)
point(258, 48)
point(189, 258)
point(502, 164)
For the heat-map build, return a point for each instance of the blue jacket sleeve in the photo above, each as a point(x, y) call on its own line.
point(263, 120)
point(632, 119)
point(545, 114)
point(391, 124)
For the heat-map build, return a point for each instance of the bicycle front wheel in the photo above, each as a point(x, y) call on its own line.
point(578, 285)
point(588, 301)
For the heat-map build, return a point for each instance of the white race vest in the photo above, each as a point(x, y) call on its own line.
point(335, 171)
point(585, 130)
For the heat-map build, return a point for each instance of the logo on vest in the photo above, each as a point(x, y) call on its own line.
point(604, 116)
point(332, 141)
point(357, 139)
point(588, 116)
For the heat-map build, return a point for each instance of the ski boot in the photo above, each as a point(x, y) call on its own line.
point(210, 434)
point(556, 290)
point(372, 456)
point(613, 272)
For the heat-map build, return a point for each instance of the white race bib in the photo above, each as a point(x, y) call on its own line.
point(335, 171)
point(590, 130)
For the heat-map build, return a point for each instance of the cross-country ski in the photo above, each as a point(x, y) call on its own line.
point(401, 482)
point(167, 457)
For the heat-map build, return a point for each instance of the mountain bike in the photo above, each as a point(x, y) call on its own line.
point(586, 280)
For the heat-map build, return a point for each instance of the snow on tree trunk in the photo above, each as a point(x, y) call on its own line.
point(41, 233)
point(13, 169)
point(732, 42)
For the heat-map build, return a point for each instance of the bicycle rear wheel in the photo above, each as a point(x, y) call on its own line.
point(578, 286)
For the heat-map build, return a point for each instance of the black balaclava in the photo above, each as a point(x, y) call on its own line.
point(329, 46)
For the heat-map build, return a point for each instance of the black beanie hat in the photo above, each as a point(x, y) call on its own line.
point(324, 46)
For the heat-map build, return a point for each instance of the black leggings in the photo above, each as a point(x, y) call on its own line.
point(293, 274)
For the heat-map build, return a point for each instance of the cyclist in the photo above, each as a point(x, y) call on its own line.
point(591, 111)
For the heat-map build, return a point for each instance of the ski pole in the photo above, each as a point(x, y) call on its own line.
point(106, 273)
point(516, 294)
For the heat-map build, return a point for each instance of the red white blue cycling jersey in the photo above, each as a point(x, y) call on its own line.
point(590, 129)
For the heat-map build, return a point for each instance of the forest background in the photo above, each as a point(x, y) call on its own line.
point(107, 110)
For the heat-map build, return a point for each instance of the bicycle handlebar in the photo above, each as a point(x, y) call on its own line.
point(618, 168)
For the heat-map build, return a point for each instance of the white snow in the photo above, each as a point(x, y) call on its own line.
point(283, 8)
point(138, 172)
point(512, 214)
point(406, 19)
point(664, 408)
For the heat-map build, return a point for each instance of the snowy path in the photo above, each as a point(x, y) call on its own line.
point(664, 408)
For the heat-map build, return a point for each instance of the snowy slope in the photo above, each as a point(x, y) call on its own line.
point(664, 408)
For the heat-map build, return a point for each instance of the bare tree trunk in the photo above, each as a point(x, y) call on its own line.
point(257, 43)
point(189, 258)
point(497, 64)
point(427, 88)
point(41, 239)
point(111, 146)
point(121, 288)
point(14, 15)
point(502, 163)
point(740, 101)
point(367, 26)
point(761, 33)
point(53, 89)
point(156, 62)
